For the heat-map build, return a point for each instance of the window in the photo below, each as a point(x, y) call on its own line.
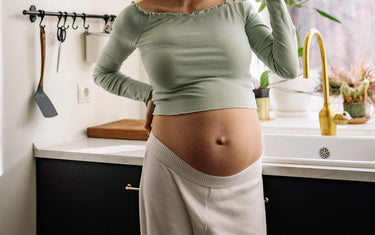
point(346, 43)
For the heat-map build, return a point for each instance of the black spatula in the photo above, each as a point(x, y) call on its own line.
point(41, 98)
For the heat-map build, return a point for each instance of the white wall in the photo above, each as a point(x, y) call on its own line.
point(21, 119)
point(1, 93)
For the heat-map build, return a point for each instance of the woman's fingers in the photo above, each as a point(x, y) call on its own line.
point(149, 115)
point(148, 123)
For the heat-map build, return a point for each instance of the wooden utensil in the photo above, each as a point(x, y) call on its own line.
point(44, 103)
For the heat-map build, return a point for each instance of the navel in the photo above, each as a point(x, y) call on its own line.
point(222, 140)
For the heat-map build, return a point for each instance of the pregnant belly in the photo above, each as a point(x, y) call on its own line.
point(218, 142)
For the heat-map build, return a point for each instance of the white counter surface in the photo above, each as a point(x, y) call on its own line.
point(310, 125)
point(116, 151)
point(131, 152)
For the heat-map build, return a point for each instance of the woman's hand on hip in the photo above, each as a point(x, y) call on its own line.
point(149, 115)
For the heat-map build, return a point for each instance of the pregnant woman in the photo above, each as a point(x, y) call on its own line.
point(202, 171)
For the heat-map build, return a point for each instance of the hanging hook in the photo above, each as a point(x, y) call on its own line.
point(58, 22)
point(65, 17)
point(74, 21)
point(112, 18)
point(108, 25)
point(43, 13)
point(106, 18)
point(84, 23)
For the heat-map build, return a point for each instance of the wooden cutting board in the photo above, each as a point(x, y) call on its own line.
point(130, 129)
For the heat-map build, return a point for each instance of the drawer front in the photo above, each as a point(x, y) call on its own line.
point(318, 206)
point(76, 197)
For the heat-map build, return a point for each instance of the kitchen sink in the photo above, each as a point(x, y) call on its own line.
point(343, 151)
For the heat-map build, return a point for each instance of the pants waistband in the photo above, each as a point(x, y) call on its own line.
point(155, 148)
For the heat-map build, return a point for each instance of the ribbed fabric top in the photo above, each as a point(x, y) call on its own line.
point(197, 61)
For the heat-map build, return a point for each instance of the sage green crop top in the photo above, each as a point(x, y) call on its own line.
point(197, 61)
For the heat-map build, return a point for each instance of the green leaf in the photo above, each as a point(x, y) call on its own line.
point(262, 6)
point(300, 3)
point(300, 51)
point(264, 79)
point(300, 48)
point(299, 35)
point(289, 2)
point(327, 15)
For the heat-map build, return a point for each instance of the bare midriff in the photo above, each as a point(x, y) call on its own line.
point(217, 142)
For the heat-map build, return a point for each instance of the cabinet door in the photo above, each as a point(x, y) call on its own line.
point(76, 197)
point(317, 206)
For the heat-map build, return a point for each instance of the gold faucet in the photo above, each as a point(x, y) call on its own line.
point(327, 117)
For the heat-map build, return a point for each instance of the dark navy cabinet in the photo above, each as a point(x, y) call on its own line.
point(75, 197)
point(319, 206)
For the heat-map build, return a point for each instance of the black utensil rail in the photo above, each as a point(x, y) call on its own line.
point(34, 13)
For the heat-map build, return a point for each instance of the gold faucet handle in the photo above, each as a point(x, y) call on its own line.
point(342, 118)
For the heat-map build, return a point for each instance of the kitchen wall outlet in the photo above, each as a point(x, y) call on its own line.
point(84, 93)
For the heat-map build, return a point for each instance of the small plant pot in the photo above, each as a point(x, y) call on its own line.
point(356, 110)
point(263, 103)
point(261, 93)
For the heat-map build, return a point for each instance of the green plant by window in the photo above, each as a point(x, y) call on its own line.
point(292, 4)
point(264, 79)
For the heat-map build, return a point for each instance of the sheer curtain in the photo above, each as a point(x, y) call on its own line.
point(346, 43)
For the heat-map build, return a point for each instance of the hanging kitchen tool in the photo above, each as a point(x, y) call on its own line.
point(61, 36)
point(95, 41)
point(44, 103)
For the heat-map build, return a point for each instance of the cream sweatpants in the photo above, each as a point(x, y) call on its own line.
point(176, 199)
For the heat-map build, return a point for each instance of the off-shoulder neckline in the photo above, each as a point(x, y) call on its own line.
point(195, 13)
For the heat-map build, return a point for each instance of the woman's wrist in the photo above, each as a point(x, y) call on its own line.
point(149, 98)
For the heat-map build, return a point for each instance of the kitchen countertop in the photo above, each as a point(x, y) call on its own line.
point(310, 125)
point(130, 152)
point(116, 151)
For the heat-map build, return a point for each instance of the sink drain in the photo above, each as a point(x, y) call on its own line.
point(324, 153)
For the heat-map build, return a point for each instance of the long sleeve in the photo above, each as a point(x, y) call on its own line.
point(278, 49)
point(122, 42)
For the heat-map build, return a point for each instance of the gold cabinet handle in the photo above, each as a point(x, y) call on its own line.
point(131, 188)
point(266, 200)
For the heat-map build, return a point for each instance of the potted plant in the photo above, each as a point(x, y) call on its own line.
point(262, 96)
point(353, 89)
point(355, 99)
point(290, 97)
